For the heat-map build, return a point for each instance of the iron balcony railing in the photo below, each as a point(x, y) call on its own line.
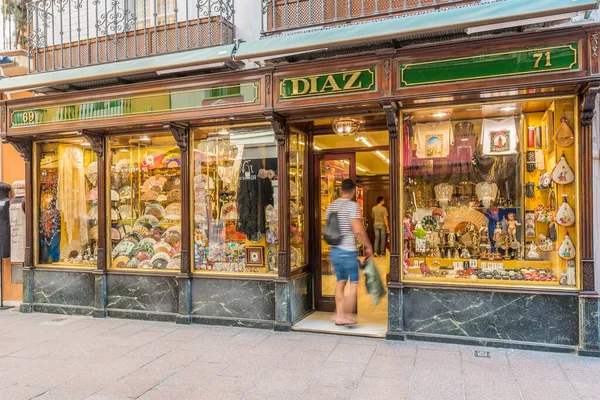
point(10, 36)
point(281, 15)
point(72, 33)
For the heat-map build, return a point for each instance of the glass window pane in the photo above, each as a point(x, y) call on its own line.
point(490, 195)
point(145, 202)
point(235, 200)
point(298, 198)
point(68, 203)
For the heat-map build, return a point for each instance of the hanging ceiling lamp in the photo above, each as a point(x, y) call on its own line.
point(345, 126)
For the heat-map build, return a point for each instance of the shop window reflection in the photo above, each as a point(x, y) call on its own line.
point(68, 203)
point(235, 200)
point(145, 202)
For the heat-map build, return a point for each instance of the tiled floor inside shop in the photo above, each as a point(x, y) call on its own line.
point(60, 357)
point(371, 319)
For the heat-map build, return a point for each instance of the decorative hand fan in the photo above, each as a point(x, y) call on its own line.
point(91, 173)
point(464, 215)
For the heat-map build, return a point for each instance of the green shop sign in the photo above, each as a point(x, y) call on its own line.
point(520, 62)
point(361, 80)
point(244, 93)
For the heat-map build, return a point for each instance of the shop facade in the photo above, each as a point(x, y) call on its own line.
point(193, 200)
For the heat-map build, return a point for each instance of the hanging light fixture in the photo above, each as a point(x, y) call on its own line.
point(345, 126)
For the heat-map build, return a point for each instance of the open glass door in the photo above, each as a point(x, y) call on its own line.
point(331, 169)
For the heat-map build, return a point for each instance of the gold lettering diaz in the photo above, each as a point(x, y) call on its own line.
point(326, 84)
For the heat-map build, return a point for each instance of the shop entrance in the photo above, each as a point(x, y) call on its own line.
point(365, 159)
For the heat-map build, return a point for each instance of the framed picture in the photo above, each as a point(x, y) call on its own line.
point(255, 256)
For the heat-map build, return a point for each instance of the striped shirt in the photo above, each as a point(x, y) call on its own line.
point(346, 210)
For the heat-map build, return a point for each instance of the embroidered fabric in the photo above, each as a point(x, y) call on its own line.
point(486, 192)
point(71, 192)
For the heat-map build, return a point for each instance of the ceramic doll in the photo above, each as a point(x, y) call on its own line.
point(512, 225)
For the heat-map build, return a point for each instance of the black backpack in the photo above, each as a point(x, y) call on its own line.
point(331, 233)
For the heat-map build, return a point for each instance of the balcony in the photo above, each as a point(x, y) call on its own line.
point(283, 15)
point(63, 34)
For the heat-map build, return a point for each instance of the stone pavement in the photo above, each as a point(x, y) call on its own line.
point(59, 357)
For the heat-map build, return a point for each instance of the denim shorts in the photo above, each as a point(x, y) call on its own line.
point(345, 264)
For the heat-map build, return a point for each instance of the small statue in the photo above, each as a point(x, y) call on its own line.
point(533, 253)
point(512, 224)
point(498, 234)
point(451, 239)
point(465, 253)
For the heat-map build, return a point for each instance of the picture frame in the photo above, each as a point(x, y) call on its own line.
point(255, 256)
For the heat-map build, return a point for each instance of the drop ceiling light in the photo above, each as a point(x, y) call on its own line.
point(316, 147)
point(508, 108)
point(382, 156)
point(440, 115)
point(364, 140)
point(145, 139)
point(345, 126)
point(361, 169)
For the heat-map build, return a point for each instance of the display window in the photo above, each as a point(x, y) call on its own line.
point(298, 199)
point(145, 202)
point(490, 194)
point(236, 222)
point(67, 212)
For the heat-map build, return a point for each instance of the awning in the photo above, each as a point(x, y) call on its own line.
point(164, 63)
point(449, 19)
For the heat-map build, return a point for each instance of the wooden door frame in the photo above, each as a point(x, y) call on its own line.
point(323, 303)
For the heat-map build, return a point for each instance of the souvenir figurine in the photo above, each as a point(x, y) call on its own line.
point(456, 253)
point(512, 225)
point(407, 226)
point(498, 233)
point(465, 253)
point(484, 233)
point(451, 239)
point(425, 270)
point(533, 253)
point(571, 279)
point(552, 233)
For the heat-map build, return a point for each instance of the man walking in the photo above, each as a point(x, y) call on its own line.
point(380, 226)
point(344, 256)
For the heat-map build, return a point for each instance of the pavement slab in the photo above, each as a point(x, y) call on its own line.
point(75, 358)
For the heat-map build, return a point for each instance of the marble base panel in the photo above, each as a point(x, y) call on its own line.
point(240, 322)
point(395, 314)
point(511, 318)
point(301, 297)
point(590, 325)
point(233, 300)
point(142, 297)
point(70, 293)
point(64, 309)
